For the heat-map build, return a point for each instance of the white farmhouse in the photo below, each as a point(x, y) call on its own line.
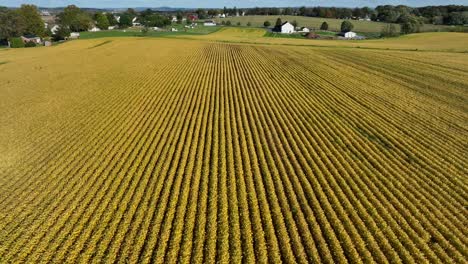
point(174, 19)
point(54, 29)
point(111, 27)
point(209, 23)
point(287, 28)
point(350, 34)
point(135, 23)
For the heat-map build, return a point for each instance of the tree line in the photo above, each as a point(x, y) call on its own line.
point(439, 15)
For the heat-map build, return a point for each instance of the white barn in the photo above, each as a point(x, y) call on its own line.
point(287, 28)
point(350, 34)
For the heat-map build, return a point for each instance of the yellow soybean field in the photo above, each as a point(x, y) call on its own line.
point(166, 150)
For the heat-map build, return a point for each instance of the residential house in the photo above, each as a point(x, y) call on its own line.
point(31, 38)
point(135, 22)
point(349, 35)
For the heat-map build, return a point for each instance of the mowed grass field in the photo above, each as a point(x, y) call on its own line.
point(316, 22)
point(146, 150)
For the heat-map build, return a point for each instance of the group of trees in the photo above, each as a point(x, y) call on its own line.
point(448, 15)
point(148, 18)
point(24, 20)
point(440, 15)
point(74, 19)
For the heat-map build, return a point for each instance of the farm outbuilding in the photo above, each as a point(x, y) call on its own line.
point(75, 35)
point(350, 34)
point(31, 38)
point(209, 23)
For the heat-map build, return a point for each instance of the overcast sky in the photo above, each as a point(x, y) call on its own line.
point(229, 3)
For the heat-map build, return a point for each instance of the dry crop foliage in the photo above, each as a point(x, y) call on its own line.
point(157, 150)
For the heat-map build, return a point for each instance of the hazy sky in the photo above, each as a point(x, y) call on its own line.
point(229, 3)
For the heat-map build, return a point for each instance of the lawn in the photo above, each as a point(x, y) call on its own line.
point(200, 30)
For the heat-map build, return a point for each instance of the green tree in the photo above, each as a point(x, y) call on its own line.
point(458, 18)
point(125, 20)
point(16, 43)
point(266, 24)
point(111, 19)
point(201, 13)
point(228, 23)
point(75, 19)
point(11, 24)
point(101, 21)
point(61, 33)
point(346, 26)
point(287, 11)
point(32, 20)
point(131, 12)
point(410, 24)
point(388, 31)
point(29, 44)
point(249, 24)
point(155, 20)
point(179, 17)
point(278, 22)
point(324, 26)
point(302, 10)
point(239, 24)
